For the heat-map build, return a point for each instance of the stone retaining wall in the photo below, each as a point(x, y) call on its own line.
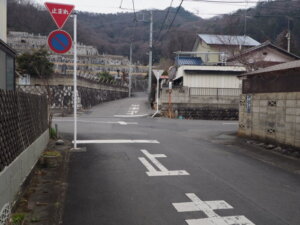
point(62, 96)
point(205, 106)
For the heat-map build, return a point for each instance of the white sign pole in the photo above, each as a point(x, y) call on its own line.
point(75, 81)
point(157, 74)
point(157, 93)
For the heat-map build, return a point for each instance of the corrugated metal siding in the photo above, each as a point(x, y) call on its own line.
point(211, 81)
point(215, 91)
point(228, 40)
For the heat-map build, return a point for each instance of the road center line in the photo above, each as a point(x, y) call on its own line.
point(117, 141)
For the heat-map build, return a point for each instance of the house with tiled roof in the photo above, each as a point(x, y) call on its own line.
point(261, 56)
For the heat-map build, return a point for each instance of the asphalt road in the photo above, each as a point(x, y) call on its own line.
point(184, 172)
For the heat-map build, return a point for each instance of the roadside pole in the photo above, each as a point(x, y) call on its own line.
point(60, 42)
point(150, 55)
point(170, 100)
point(75, 79)
point(157, 74)
point(130, 71)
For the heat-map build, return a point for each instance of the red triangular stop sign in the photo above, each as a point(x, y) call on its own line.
point(59, 12)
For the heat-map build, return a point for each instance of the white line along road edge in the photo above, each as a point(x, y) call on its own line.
point(102, 122)
point(131, 116)
point(163, 171)
point(117, 141)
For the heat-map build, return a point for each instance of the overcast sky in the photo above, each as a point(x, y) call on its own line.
point(202, 9)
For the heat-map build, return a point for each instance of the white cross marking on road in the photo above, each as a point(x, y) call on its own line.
point(208, 207)
point(163, 171)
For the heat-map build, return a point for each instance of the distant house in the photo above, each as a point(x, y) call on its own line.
point(204, 92)
point(264, 55)
point(202, 76)
point(217, 48)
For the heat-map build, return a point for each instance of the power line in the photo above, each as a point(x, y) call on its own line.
point(121, 4)
point(165, 19)
point(171, 24)
point(135, 18)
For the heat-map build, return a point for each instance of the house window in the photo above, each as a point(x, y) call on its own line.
point(24, 80)
point(7, 67)
point(10, 82)
point(2, 70)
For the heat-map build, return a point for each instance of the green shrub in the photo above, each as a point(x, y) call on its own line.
point(52, 153)
point(52, 133)
point(17, 218)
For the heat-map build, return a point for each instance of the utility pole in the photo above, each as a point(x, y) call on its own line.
point(150, 54)
point(288, 36)
point(75, 79)
point(130, 71)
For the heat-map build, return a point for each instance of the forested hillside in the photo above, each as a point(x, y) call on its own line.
point(112, 33)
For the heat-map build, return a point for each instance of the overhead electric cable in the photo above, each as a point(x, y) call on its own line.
point(171, 24)
point(165, 19)
point(135, 18)
point(177, 11)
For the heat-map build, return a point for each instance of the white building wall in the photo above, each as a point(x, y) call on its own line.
point(211, 81)
point(3, 20)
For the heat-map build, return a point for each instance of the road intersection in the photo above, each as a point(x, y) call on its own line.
point(146, 170)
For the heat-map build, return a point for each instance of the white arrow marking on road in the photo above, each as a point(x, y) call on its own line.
point(163, 171)
point(117, 141)
point(208, 207)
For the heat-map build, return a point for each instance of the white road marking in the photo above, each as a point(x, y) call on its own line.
point(232, 123)
point(117, 141)
point(163, 171)
point(227, 220)
point(133, 109)
point(91, 121)
point(131, 116)
point(208, 207)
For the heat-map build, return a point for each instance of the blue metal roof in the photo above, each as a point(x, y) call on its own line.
point(186, 60)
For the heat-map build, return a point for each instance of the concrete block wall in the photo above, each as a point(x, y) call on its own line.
point(14, 175)
point(271, 116)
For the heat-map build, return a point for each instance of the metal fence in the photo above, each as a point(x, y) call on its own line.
point(195, 91)
point(23, 118)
